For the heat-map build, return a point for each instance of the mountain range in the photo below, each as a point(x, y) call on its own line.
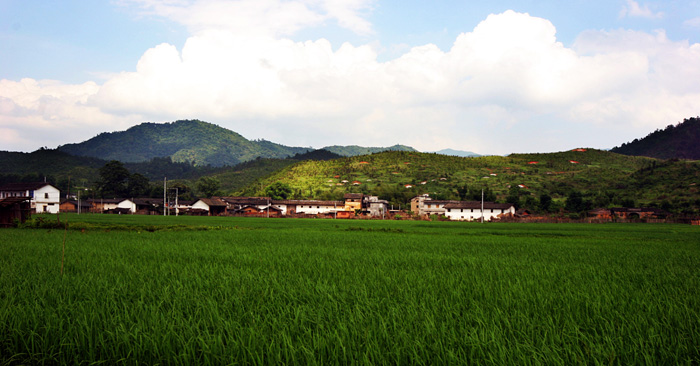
point(201, 143)
point(186, 151)
point(191, 141)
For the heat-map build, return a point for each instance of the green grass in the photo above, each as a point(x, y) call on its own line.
point(294, 291)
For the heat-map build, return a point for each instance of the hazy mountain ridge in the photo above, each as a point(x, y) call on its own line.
point(681, 141)
point(355, 150)
point(453, 152)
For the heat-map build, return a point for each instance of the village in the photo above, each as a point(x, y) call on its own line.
point(19, 200)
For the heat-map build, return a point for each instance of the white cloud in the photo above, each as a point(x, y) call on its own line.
point(692, 23)
point(260, 17)
point(42, 113)
point(506, 86)
point(633, 9)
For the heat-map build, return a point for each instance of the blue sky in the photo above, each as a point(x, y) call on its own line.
point(492, 77)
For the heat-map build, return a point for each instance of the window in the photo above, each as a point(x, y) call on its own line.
point(46, 195)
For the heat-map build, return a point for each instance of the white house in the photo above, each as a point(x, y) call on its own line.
point(212, 206)
point(471, 210)
point(236, 204)
point(127, 204)
point(309, 207)
point(44, 198)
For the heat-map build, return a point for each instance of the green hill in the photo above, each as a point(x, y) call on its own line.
point(681, 141)
point(48, 164)
point(604, 178)
point(191, 141)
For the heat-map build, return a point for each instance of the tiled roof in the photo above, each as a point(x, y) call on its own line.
point(23, 186)
point(9, 201)
point(439, 202)
point(477, 205)
point(309, 203)
point(213, 202)
point(106, 200)
point(243, 201)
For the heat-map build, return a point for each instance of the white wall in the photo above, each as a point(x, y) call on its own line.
point(312, 209)
point(127, 204)
point(467, 214)
point(46, 199)
point(200, 205)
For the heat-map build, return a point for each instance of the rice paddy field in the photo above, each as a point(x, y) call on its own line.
point(215, 291)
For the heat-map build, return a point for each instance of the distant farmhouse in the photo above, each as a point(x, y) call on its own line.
point(352, 205)
point(43, 197)
point(424, 206)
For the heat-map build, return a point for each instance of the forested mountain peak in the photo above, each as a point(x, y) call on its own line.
point(681, 141)
point(192, 141)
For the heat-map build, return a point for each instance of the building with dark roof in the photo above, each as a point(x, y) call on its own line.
point(43, 197)
point(471, 210)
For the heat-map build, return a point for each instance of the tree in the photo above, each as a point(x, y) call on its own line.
point(138, 185)
point(463, 192)
point(545, 202)
point(184, 192)
point(113, 179)
point(208, 186)
point(514, 197)
point(278, 191)
point(575, 202)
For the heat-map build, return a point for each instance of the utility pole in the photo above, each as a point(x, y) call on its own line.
point(482, 206)
point(177, 207)
point(165, 196)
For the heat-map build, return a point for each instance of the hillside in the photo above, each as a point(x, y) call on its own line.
point(191, 141)
point(604, 178)
point(62, 169)
point(681, 141)
point(46, 163)
point(354, 150)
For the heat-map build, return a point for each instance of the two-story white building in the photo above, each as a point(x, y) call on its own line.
point(424, 206)
point(44, 198)
point(309, 207)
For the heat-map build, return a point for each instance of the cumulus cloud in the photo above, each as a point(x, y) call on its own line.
point(38, 113)
point(633, 9)
point(506, 86)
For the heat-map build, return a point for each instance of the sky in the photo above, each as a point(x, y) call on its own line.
point(492, 77)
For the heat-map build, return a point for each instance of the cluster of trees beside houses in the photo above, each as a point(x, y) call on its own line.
point(568, 183)
point(556, 198)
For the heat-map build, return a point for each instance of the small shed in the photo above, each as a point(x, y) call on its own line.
point(72, 206)
point(14, 209)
